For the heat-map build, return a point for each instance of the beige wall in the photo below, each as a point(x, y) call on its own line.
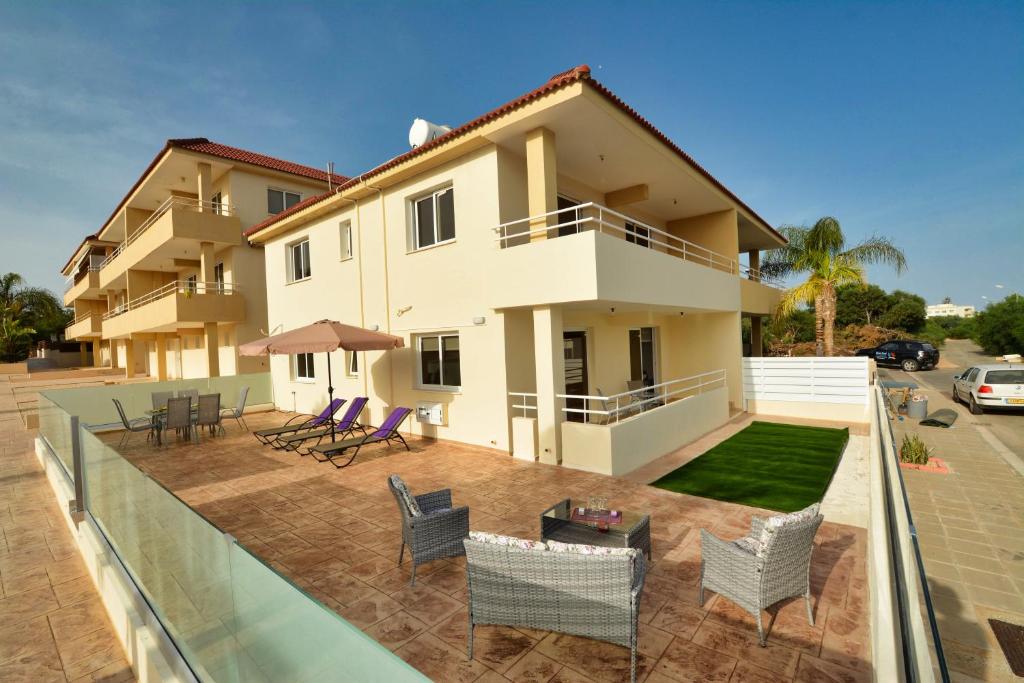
point(717, 231)
point(624, 446)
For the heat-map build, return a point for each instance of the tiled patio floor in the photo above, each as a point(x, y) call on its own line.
point(336, 533)
point(52, 624)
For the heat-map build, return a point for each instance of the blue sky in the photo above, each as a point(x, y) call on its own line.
point(903, 120)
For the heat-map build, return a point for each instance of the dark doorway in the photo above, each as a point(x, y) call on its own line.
point(575, 345)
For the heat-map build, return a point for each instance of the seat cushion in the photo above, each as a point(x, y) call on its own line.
point(773, 524)
point(583, 549)
point(508, 541)
point(749, 544)
point(403, 492)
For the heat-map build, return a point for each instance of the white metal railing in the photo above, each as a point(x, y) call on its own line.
point(755, 275)
point(78, 276)
point(186, 287)
point(186, 203)
point(523, 399)
point(615, 407)
point(82, 318)
point(593, 216)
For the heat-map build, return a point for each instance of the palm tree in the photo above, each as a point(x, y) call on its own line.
point(26, 312)
point(821, 252)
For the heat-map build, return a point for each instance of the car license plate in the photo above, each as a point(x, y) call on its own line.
point(1015, 401)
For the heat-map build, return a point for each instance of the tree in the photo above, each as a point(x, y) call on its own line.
point(1001, 326)
point(905, 312)
point(26, 313)
point(860, 304)
point(821, 252)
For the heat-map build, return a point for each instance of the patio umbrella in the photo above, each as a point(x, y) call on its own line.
point(323, 336)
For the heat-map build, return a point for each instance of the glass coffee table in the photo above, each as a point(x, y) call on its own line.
point(568, 521)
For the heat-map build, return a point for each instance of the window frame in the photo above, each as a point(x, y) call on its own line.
point(290, 260)
point(192, 284)
point(432, 195)
point(284, 199)
point(218, 276)
point(310, 366)
point(352, 359)
point(655, 369)
point(418, 345)
point(638, 234)
point(345, 228)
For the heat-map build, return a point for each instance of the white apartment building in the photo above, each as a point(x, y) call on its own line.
point(558, 253)
point(942, 310)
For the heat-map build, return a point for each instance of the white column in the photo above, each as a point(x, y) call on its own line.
point(549, 359)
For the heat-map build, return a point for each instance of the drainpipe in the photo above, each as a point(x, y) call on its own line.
point(387, 287)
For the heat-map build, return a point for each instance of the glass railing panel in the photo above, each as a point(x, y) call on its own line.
point(55, 428)
point(231, 616)
point(177, 559)
point(290, 636)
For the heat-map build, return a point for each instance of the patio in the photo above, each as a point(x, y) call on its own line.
point(336, 534)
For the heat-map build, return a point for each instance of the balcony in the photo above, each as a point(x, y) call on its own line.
point(176, 305)
point(85, 326)
point(758, 295)
point(600, 254)
point(85, 285)
point(171, 232)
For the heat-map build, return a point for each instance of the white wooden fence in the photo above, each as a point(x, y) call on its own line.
point(812, 379)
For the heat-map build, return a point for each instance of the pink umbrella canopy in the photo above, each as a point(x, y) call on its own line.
point(322, 337)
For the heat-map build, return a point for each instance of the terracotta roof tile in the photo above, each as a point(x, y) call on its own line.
point(559, 80)
point(204, 146)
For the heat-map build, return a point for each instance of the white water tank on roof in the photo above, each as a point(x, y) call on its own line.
point(422, 131)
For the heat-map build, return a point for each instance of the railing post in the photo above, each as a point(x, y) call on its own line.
point(77, 506)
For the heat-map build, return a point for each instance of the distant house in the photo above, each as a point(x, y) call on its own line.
point(948, 309)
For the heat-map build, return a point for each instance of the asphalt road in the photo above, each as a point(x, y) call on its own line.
point(1008, 426)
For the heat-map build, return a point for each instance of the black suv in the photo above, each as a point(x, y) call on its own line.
point(909, 355)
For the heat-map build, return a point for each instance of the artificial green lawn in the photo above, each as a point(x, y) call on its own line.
point(767, 465)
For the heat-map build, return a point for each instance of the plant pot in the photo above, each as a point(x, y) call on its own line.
point(935, 465)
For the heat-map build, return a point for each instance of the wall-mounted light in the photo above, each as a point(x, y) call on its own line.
point(479, 320)
point(402, 311)
point(374, 328)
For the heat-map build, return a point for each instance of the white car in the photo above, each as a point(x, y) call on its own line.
point(990, 386)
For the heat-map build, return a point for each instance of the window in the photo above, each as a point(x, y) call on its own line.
point(192, 284)
point(217, 203)
point(438, 357)
point(1004, 377)
point(345, 234)
point(298, 261)
point(352, 364)
point(434, 218)
point(642, 355)
point(279, 200)
point(302, 367)
point(638, 234)
point(218, 276)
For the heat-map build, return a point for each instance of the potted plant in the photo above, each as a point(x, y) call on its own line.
point(915, 454)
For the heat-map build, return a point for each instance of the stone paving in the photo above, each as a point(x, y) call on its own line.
point(970, 523)
point(52, 624)
point(336, 534)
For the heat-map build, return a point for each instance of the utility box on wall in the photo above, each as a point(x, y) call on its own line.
point(431, 412)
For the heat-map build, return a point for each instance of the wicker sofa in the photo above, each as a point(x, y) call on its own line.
point(595, 596)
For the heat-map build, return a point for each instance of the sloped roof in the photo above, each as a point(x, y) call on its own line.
point(576, 74)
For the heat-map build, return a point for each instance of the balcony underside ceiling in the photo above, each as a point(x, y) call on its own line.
point(598, 146)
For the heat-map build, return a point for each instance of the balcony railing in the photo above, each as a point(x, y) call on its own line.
point(628, 403)
point(186, 287)
point(185, 203)
point(80, 319)
point(77, 277)
point(592, 216)
point(524, 401)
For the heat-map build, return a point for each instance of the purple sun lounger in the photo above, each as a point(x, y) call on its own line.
point(386, 433)
point(299, 423)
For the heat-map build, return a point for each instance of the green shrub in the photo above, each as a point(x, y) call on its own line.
point(914, 451)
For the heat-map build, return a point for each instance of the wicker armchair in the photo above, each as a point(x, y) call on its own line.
point(593, 596)
point(757, 580)
point(432, 528)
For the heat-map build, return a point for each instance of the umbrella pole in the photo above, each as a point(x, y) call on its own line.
point(330, 392)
